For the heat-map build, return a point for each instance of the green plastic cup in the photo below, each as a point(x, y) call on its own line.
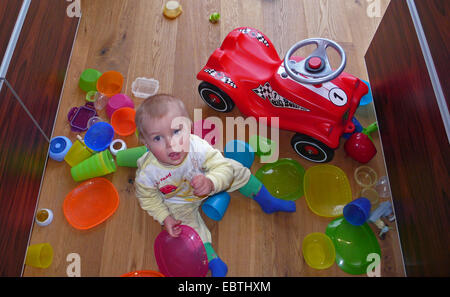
point(39, 255)
point(98, 165)
point(88, 79)
point(129, 157)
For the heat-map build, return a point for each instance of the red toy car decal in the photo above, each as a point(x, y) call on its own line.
point(255, 34)
point(266, 92)
point(221, 76)
point(167, 189)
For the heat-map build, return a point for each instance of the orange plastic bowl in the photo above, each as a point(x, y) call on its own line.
point(91, 203)
point(122, 121)
point(110, 83)
point(143, 273)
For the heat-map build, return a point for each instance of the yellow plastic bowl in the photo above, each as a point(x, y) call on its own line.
point(327, 190)
point(318, 250)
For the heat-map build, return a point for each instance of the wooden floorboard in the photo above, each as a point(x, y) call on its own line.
point(134, 38)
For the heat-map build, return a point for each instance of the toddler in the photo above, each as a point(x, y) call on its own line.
point(181, 169)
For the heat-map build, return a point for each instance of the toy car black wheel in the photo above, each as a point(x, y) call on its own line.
point(311, 149)
point(215, 97)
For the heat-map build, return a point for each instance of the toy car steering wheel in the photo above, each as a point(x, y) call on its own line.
point(316, 68)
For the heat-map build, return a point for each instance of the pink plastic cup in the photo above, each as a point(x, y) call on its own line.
point(116, 102)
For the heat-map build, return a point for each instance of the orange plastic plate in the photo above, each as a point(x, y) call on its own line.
point(91, 203)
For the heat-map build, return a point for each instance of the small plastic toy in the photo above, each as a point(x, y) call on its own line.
point(357, 211)
point(172, 9)
point(122, 121)
point(91, 203)
point(327, 190)
point(384, 210)
point(99, 136)
point(318, 250)
point(360, 145)
point(216, 205)
point(182, 256)
point(143, 87)
point(358, 128)
point(44, 217)
point(113, 146)
point(240, 151)
point(97, 165)
point(307, 95)
point(39, 255)
point(372, 195)
point(353, 244)
point(214, 17)
point(59, 146)
point(78, 117)
point(283, 178)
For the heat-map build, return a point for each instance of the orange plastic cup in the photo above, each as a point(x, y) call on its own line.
point(110, 83)
point(123, 122)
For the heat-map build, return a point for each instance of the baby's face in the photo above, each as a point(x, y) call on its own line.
point(168, 137)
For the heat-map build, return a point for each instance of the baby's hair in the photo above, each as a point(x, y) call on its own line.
point(156, 107)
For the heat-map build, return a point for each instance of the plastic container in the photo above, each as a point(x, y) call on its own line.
point(172, 9)
point(94, 120)
point(44, 217)
point(59, 147)
point(79, 116)
point(240, 151)
point(116, 102)
point(283, 178)
point(78, 152)
point(98, 165)
point(143, 87)
point(261, 145)
point(365, 176)
point(88, 79)
point(99, 136)
point(382, 187)
point(216, 205)
point(91, 203)
point(122, 121)
point(318, 250)
point(358, 211)
point(110, 83)
point(327, 190)
point(129, 157)
point(39, 255)
point(182, 256)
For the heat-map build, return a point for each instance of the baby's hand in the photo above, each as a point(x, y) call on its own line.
point(202, 185)
point(172, 226)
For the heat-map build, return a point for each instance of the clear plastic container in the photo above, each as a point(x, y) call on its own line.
point(365, 176)
point(143, 87)
point(382, 187)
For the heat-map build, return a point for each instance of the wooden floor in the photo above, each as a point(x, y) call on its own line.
point(134, 38)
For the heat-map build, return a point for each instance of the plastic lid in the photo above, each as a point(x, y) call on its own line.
point(59, 146)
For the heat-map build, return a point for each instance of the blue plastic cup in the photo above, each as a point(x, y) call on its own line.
point(358, 211)
point(240, 151)
point(216, 205)
point(99, 136)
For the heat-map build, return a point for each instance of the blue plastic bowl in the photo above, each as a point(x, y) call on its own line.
point(99, 136)
point(240, 151)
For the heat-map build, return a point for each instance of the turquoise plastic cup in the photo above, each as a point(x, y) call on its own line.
point(216, 205)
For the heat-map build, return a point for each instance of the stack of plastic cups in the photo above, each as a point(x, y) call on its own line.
point(78, 152)
point(98, 165)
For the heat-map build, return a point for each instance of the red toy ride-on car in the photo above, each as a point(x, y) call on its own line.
point(306, 94)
